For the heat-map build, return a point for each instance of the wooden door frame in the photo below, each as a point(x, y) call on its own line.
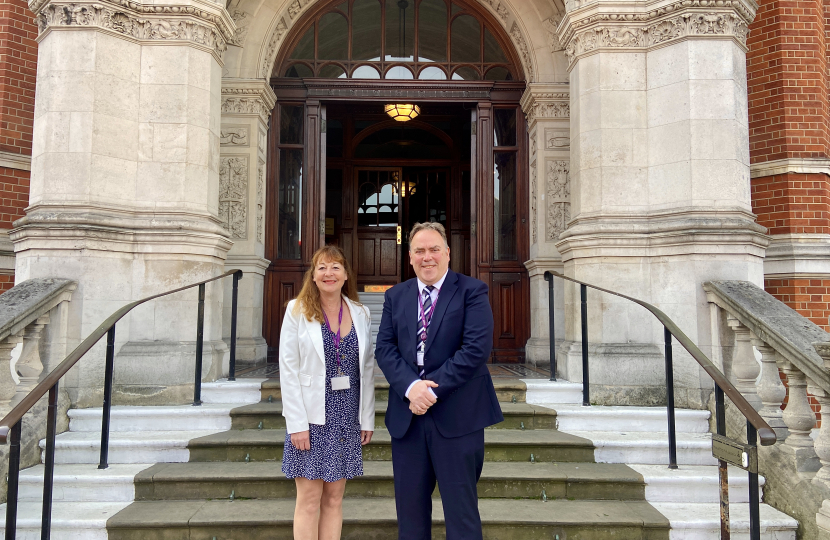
point(482, 96)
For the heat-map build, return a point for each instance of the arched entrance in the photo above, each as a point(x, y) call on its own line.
point(340, 170)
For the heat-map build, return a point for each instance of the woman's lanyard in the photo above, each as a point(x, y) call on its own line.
point(337, 335)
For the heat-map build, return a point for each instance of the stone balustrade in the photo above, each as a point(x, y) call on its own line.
point(27, 312)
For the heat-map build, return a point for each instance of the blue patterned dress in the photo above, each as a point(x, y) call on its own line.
point(335, 447)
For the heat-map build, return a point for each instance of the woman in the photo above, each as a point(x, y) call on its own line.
point(327, 364)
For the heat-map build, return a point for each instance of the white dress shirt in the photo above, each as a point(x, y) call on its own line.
point(434, 296)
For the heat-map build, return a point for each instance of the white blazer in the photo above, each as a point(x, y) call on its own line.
point(303, 369)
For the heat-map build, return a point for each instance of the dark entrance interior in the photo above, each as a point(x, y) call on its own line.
point(383, 176)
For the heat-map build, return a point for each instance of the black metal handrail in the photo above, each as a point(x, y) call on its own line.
point(756, 427)
point(11, 424)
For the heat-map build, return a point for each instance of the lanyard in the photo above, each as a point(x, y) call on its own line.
point(424, 319)
point(337, 335)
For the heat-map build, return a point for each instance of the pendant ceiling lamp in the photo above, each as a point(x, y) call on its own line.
point(402, 112)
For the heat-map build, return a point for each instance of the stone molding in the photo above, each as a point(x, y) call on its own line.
point(790, 165)
point(537, 266)
point(593, 26)
point(284, 21)
point(666, 233)
point(249, 264)
point(543, 101)
point(18, 162)
point(798, 254)
point(245, 97)
point(210, 29)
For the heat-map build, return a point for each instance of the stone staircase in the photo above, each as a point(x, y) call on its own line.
point(215, 473)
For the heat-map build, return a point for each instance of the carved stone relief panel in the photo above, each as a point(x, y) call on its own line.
point(233, 195)
point(260, 202)
point(234, 136)
point(557, 138)
point(558, 197)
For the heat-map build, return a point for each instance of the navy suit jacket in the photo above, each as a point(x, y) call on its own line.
point(459, 341)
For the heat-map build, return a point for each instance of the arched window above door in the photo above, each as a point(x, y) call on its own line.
point(399, 39)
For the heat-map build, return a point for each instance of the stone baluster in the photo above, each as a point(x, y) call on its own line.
point(745, 367)
point(7, 384)
point(800, 419)
point(822, 442)
point(29, 365)
point(771, 390)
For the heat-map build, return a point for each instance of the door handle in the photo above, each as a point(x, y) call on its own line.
point(399, 235)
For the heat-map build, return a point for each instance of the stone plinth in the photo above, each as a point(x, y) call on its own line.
point(660, 195)
point(125, 182)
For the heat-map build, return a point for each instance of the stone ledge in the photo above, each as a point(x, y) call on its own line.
point(18, 162)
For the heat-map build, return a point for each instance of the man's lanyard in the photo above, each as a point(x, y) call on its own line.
point(337, 335)
point(427, 316)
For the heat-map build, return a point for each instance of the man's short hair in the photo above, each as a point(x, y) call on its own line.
point(429, 226)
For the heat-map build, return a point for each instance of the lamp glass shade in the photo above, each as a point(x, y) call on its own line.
point(402, 112)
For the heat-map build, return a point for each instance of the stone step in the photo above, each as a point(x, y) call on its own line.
point(649, 447)
point(70, 520)
point(375, 518)
point(500, 445)
point(82, 483)
point(516, 416)
point(701, 521)
point(125, 447)
point(693, 484)
point(540, 391)
point(240, 391)
point(208, 417)
point(628, 419)
point(506, 390)
point(265, 480)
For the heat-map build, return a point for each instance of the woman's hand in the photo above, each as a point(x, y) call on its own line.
point(365, 437)
point(301, 440)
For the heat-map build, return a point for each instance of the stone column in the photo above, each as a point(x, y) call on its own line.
point(660, 196)
point(125, 183)
point(547, 109)
point(246, 107)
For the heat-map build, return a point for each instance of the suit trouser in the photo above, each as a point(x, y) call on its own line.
point(423, 456)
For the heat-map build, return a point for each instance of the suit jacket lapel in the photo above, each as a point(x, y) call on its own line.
point(410, 307)
point(315, 331)
point(444, 298)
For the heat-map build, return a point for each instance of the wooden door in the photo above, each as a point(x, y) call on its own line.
point(378, 243)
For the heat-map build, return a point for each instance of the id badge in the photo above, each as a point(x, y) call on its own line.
point(340, 383)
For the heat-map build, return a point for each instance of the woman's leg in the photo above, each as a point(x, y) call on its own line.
point(307, 510)
point(331, 510)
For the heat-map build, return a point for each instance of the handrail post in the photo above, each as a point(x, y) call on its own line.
point(105, 412)
point(551, 326)
point(670, 400)
point(754, 500)
point(586, 382)
point(14, 476)
point(723, 471)
point(200, 342)
point(49, 464)
point(234, 302)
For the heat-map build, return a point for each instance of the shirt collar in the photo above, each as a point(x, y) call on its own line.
point(438, 284)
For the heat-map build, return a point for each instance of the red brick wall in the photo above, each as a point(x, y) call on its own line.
point(787, 81)
point(809, 297)
point(14, 196)
point(792, 203)
point(18, 68)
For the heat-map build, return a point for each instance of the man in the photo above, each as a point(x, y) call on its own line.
point(435, 337)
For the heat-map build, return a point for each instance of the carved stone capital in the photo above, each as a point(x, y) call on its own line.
point(201, 24)
point(541, 101)
point(595, 25)
point(245, 97)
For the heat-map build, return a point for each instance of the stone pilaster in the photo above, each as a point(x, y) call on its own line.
point(125, 182)
point(246, 107)
point(660, 196)
point(547, 108)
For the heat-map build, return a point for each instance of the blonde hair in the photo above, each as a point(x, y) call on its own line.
point(428, 226)
point(308, 301)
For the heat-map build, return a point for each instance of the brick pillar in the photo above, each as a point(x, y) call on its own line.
point(789, 150)
point(18, 67)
